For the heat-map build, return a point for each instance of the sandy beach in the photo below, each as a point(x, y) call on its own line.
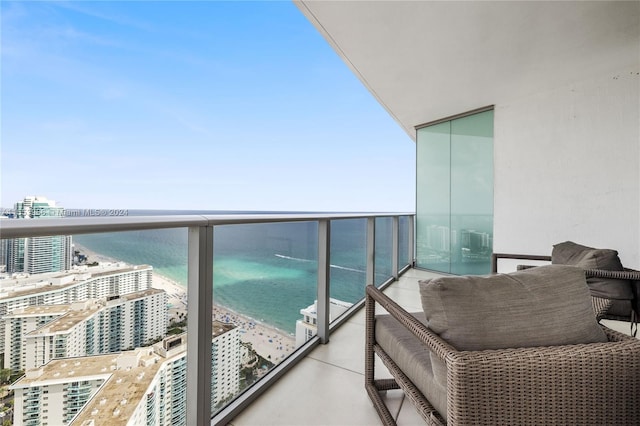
point(269, 342)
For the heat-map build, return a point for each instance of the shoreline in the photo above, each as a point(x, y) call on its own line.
point(268, 341)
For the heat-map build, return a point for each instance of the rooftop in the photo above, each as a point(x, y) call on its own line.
point(120, 395)
point(218, 328)
point(79, 312)
point(67, 321)
point(127, 377)
point(137, 295)
point(41, 283)
point(39, 310)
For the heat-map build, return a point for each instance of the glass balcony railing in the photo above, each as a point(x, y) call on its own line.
point(274, 286)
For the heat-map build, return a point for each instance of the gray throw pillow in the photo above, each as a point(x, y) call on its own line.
point(544, 306)
point(570, 253)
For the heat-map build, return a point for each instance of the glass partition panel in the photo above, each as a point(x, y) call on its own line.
point(264, 292)
point(348, 264)
point(472, 194)
point(117, 297)
point(403, 241)
point(433, 186)
point(454, 206)
point(383, 250)
point(164, 249)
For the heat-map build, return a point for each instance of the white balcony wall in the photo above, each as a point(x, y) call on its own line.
point(563, 78)
point(567, 166)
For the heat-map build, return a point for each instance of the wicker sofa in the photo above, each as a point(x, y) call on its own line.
point(494, 350)
point(615, 290)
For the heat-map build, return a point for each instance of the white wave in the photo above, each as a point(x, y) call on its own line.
point(282, 256)
point(344, 268)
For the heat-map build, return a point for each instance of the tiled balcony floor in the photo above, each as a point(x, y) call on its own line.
point(327, 387)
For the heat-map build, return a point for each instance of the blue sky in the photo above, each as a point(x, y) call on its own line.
point(190, 105)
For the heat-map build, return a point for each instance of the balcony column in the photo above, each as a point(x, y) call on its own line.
point(371, 251)
point(395, 246)
point(199, 310)
point(324, 286)
point(411, 238)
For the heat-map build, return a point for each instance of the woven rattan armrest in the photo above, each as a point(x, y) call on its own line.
point(375, 387)
point(434, 342)
point(627, 274)
point(496, 256)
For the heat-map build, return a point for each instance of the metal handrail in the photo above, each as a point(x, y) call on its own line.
point(22, 228)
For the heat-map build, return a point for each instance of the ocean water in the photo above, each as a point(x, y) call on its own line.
point(265, 271)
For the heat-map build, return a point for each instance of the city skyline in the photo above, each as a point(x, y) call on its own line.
point(191, 105)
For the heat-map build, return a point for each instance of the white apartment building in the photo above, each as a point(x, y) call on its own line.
point(57, 392)
point(37, 334)
point(307, 327)
point(20, 323)
point(146, 386)
point(225, 362)
point(67, 287)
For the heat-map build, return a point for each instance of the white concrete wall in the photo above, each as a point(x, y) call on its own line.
point(567, 163)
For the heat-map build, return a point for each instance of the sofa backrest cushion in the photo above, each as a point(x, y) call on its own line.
point(544, 306)
point(570, 253)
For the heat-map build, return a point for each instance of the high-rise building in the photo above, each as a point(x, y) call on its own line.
point(4, 246)
point(66, 288)
point(146, 386)
point(33, 207)
point(36, 255)
point(37, 334)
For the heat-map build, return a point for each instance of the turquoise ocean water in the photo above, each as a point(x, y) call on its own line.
point(265, 271)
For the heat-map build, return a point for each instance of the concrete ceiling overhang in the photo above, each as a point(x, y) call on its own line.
point(427, 60)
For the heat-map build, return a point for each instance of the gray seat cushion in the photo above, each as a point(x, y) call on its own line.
point(412, 357)
point(544, 306)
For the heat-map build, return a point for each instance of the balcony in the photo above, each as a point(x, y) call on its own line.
point(385, 238)
point(302, 388)
point(565, 94)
